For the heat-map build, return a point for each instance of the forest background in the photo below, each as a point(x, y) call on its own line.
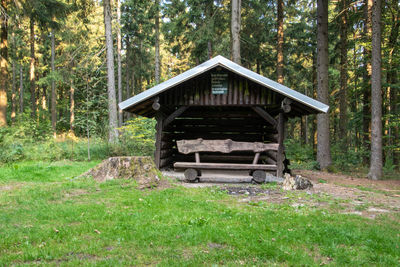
point(55, 96)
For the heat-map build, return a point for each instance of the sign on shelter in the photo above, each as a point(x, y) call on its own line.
point(219, 83)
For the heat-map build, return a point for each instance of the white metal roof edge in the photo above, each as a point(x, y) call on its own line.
point(275, 86)
point(236, 68)
point(209, 64)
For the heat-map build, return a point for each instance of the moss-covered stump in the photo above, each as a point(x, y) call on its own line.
point(140, 169)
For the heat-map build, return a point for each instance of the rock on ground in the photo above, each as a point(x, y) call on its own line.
point(140, 169)
point(296, 183)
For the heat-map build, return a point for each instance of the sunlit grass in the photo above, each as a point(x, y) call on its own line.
point(58, 219)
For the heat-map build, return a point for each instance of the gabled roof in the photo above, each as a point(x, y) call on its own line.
point(229, 65)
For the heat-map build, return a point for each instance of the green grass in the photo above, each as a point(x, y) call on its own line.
point(43, 171)
point(56, 219)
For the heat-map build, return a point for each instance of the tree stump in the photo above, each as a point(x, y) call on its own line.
point(140, 169)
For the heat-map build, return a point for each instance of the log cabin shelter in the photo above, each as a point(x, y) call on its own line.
point(221, 101)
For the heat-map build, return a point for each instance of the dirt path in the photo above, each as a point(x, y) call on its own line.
point(350, 195)
point(345, 180)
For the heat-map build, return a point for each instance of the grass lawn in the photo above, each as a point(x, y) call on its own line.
point(50, 217)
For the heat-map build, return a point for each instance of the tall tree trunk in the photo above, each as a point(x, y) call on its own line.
point(367, 76)
point(313, 137)
point(14, 87)
point(375, 170)
point(3, 63)
point(392, 80)
point(112, 103)
point(72, 106)
point(235, 29)
point(343, 76)
point(53, 87)
point(157, 43)
point(21, 89)
point(209, 49)
point(209, 10)
point(32, 67)
point(128, 75)
point(119, 45)
point(323, 146)
point(279, 65)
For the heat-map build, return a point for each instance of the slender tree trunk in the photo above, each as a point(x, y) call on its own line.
point(32, 67)
point(323, 146)
point(140, 76)
point(392, 80)
point(279, 65)
point(354, 103)
point(21, 89)
point(53, 87)
point(314, 94)
point(209, 9)
point(375, 171)
point(343, 76)
point(235, 30)
point(112, 103)
point(3, 63)
point(128, 75)
point(133, 79)
point(367, 77)
point(157, 42)
point(119, 45)
point(72, 106)
point(14, 88)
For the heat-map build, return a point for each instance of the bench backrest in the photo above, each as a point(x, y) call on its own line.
point(222, 146)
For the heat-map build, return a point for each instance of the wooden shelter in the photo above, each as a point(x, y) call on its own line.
point(221, 101)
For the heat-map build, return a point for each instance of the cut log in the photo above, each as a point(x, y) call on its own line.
point(259, 176)
point(223, 146)
point(190, 174)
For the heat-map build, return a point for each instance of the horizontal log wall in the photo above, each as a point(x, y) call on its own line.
point(197, 92)
point(243, 125)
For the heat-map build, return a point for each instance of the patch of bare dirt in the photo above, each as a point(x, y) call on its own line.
point(343, 179)
point(11, 186)
point(356, 195)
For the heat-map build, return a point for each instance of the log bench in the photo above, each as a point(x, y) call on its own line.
point(196, 146)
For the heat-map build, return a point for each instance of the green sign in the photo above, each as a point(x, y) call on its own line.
point(219, 83)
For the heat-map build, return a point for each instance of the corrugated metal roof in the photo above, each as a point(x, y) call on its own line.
point(232, 66)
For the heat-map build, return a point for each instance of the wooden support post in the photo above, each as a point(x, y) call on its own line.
point(265, 115)
point(280, 154)
point(256, 158)
point(159, 129)
point(197, 156)
point(175, 114)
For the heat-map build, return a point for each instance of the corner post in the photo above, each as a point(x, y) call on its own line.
point(159, 129)
point(281, 136)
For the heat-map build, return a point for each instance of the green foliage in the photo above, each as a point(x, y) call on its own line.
point(28, 140)
point(138, 135)
point(300, 156)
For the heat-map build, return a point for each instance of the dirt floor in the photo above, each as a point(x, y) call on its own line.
point(344, 193)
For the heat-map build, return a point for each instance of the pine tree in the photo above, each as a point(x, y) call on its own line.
point(323, 146)
point(3, 62)
point(235, 29)
point(112, 103)
point(375, 171)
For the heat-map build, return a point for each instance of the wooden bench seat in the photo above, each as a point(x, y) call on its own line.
point(225, 166)
point(193, 169)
